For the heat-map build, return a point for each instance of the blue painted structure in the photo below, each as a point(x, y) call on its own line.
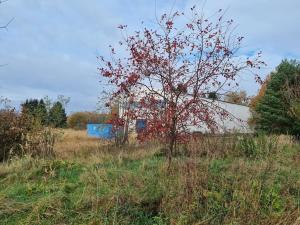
point(104, 131)
point(140, 125)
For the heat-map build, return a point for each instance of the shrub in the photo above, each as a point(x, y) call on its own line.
point(12, 130)
point(40, 143)
point(21, 134)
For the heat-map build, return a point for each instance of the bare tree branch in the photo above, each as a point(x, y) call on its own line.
point(6, 26)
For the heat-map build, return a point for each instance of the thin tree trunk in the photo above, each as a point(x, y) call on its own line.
point(126, 131)
point(170, 152)
point(172, 142)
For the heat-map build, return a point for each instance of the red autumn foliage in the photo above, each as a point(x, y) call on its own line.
point(168, 70)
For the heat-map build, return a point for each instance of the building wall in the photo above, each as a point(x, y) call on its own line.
point(236, 122)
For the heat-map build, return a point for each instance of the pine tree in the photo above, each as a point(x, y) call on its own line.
point(271, 113)
point(41, 112)
point(57, 115)
point(36, 110)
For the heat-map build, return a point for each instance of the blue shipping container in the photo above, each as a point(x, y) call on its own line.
point(104, 131)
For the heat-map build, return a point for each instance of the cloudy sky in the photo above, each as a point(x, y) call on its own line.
point(50, 48)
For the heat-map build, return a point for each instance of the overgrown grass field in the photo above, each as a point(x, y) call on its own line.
point(255, 181)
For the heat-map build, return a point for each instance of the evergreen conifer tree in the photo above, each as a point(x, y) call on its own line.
point(36, 110)
point(42, 113)
point(57, 115)
point(271, 113)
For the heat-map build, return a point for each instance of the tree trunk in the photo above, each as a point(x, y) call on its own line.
point(125, 133)
point(172, 142)
point(170, 152)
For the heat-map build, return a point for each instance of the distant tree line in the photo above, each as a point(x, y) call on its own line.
point(79, 120)
point(53, 115)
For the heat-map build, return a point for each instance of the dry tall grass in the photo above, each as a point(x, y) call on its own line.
point(211, 181)
point(77, 145)
point(76, 142)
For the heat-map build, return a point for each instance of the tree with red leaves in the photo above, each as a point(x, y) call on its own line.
point(169, 71)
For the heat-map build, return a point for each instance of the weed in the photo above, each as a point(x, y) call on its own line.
point(259, 146)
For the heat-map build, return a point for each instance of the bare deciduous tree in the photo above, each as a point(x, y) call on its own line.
point(5, 25)
point(5, 102)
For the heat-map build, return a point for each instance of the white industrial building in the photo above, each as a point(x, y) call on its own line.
point(236, 122)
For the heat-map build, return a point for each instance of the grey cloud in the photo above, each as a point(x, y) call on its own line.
point(51, 46)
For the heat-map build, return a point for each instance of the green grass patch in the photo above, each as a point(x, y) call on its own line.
point(125, 189)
